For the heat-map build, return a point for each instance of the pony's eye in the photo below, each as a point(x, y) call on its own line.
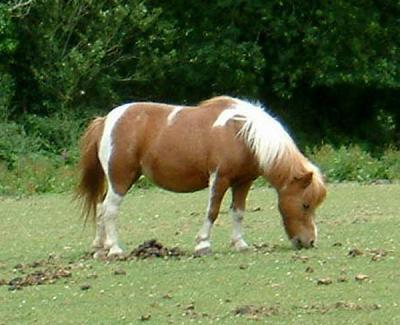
point(306, 206)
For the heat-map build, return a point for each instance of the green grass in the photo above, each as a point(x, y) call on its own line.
point(278, 283)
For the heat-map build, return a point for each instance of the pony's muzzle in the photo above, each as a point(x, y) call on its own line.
point(299, 244)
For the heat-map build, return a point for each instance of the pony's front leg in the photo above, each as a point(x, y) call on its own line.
point(218, 186)
point(237, 240)
point(239, 194)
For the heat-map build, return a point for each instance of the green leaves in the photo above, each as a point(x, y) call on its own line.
point(234, 46)
point(84, 57)
point(8, 44)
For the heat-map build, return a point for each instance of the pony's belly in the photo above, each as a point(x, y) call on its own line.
point(176, 179)
point(181, 183)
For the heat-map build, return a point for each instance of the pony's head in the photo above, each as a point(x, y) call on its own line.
point(299, 183)
point(298, 200)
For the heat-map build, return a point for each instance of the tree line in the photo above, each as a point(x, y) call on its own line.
point(329, 69)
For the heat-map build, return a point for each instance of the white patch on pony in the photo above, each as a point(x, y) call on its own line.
point(237, 216)
point(264, 134)
point(315, 233)
point(211, 185)
point(110, 208)
point(203, 237)
point(106, 139)
point(204, 233)
point(172, 116)
point(106, 228)
point(98, 242)
point(237, 235)
point(226, 115)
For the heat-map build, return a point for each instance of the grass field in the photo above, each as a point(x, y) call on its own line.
point(352, 277)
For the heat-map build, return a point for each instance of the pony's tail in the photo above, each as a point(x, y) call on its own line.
point(91, 187)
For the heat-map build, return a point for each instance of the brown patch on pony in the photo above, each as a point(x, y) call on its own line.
point(144, 143)
point(91, 185)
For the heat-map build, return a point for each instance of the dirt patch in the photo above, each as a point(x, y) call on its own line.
point(355, 252)
point(377, 254)
point(301, 258)
point(148, 249)
point(341, 305)
point(264, 248)
point(48, 275)
point(153, 248)
point(49, 271)
point(255, 312)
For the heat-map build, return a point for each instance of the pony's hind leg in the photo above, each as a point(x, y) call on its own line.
point(110, 208)
point(218, 186)
point(239, 194)
point(118, 186)
point(99, 240)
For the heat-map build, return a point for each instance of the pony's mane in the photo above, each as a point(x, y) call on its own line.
point(271, 144)
point(265, 136)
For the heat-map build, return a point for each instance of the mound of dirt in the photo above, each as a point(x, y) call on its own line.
point(153, 248)
point(252, 311)
point(38, 277)
point(148, 249)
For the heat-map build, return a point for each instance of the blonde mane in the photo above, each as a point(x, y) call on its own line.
point(275, 150)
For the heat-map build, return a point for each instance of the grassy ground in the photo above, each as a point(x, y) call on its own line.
point(358, 227)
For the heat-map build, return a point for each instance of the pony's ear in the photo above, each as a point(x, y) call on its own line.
point(304, 180)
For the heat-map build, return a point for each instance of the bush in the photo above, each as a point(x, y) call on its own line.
point(55, 134)
point(40, 173)
point(36, 174)
point(14, 143)
point(354, 164)
point(391, 161)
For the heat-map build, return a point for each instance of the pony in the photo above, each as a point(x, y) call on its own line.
point(222, 143)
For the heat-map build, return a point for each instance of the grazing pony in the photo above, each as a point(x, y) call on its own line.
point(222, 143)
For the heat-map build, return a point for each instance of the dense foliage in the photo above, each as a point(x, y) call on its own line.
point(329, 69)
point(36, 173)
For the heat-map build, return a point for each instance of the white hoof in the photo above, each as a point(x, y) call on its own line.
point(203, 248)
point(114, 251)
point(240, 245)
point(100, 254)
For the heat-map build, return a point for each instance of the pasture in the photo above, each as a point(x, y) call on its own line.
point(352, 277)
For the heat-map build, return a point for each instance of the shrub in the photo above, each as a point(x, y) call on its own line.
point(36, 174)
point(14, 142)
point(391, 161)
point(354, 164)
point(55, 134)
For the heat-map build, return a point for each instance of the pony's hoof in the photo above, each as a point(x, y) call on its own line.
point(240, 245)
point(203, 248)
point(206, 251)
point(100, 254)
point(114, 252)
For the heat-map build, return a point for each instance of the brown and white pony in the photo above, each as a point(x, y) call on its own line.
point(222, 143)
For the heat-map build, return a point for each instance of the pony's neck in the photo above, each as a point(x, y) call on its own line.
point(291, 163)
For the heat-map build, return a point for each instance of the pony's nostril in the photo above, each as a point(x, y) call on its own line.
point(297, 243)
point(312, 243)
